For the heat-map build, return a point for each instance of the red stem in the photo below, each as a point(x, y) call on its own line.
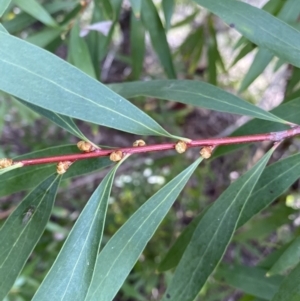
point(273, 136)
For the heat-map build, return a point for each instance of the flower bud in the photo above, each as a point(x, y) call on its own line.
point(5, 163)
point(116, 156)
point(206, 152)
point(181, 147)
point(86, 146)
point(62, 167)
point(139, 143)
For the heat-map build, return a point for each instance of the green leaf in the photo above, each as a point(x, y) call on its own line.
point(168, 8)
point(259, 27)
point(212, 236)
point(290, 288)
point(79, 52)
point(23, 229)
point(190, 18)
point(275, 180)
point(194, 45)
point(288, 259)
point(95, 39)
point(34, 9)
point(66, 90)
point(125, 247)
point(107, 7)
point(158, 37)
point(213, 54)
point(267, 189)
point(105, 41)
point(29, 176)
point(194, 93)
point(191, 49)
point(175, 253)
point(2, 29)
point(65, 122)
point(268, 261)
point(44, 37)
point(23, 20)
point(288, 14)
point(262, 59)
point(249, 280)
point(70, 276)
point(287, 111)
point(293, 81)
point(243, 52)
point(262, 227)
point(3, 6)
point(136, 7)
point(137, 42)
point(273, 6)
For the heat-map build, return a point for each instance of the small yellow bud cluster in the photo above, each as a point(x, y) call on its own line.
point(139, 143)
point(206, 152)
point(181, 147)
point(5, 163)
point(86, 146)
point(116, 156)
point(62, 167)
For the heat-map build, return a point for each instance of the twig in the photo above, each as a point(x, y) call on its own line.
point(214, 142)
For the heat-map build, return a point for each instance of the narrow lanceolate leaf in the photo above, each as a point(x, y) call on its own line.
point(267, 189)
point(289, 14)
point(287, 111)
point(268, 261)
point(2, 29)
point(290, 287)
point(168, 8)
point(260, 62)
point(62, 88)
point(45, 37)
point(34, 9)
point(70, 276)
point(158, 37)
point(136, 6)
point(175, 253)
point(275, 180)
point(23, 229)
point(65, 122)
point(249, 280)
point(79, 52)
point(194, 93)
point(29, 176)
point(23, 20)
point(287, 260)
point(137, 42)
point(3, 6)
point(125, 247)
point(212, 236)
point(259, 27)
